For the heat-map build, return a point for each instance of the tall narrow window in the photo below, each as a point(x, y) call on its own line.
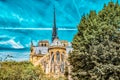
point(62, 57)
point(58, 56)
point(44, 44)
point(45, 67)
point(52, 56)
point(41, 44)
point(62, 67)
point(39, 51)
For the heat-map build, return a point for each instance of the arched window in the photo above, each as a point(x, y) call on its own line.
point(44, 66)
point(62, 67)
point(39, 51)
point(57, 56)
point(52, 56)
point(41, 44)
point(62, 57)
point(44, 44)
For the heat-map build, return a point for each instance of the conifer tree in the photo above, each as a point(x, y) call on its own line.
point(96, 54)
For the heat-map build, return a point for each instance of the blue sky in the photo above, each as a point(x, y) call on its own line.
point(24, 20)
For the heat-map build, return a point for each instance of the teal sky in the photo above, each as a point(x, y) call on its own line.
point(24, 20)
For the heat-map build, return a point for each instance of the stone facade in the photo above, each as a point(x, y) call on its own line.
point(51, 56)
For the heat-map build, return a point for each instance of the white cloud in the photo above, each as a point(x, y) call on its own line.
point(14, 44)
point(37, 28)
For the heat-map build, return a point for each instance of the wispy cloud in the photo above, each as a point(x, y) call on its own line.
point(37, 28)
point(11, 42)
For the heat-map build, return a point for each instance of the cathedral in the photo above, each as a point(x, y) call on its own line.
point(51, 56)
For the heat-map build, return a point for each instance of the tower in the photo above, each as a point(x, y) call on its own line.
point(54, 30)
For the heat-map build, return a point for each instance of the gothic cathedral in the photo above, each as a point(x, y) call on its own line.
point(51, 56)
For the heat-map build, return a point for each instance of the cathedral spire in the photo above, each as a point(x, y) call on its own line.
point(54, 25)
point(54, 32)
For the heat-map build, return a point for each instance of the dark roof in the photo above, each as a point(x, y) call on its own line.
point(45, 41)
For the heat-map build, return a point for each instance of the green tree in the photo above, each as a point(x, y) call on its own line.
point(11, 70)
point(96, 54)
point(20, 71)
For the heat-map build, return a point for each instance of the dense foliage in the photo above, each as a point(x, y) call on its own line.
point(96, 54)
point(22, 71)
point(19, 71)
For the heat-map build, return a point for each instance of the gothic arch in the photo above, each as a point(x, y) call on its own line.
point(42, 44)
point(58, 56)
point(62, 67)
point(62, 57)
point(52, 57)
point(45, 45)
point(44, 66)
